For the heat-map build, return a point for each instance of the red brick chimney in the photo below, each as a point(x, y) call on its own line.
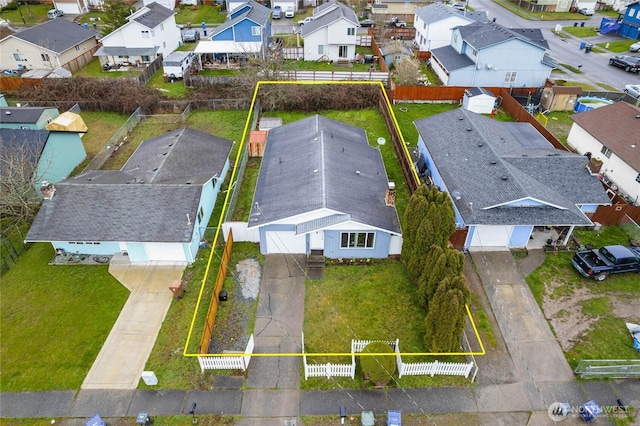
point(390, 195)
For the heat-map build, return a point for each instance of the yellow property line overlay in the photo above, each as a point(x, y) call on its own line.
point(222, 214)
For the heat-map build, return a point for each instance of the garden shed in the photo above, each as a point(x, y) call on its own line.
point(478, 100)
point(559, 98)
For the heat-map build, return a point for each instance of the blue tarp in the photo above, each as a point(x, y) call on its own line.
point(609, 26)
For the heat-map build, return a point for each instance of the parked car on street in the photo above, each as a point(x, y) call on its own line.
point(277, 12)
point(459, 6)
point(587, 11)
point(367, 23)
point(395, 22)
point(289, 12)
point(305, 20)
point(632, 90)
point(54, 13)
point(635, 47)
point(190, 35)
point(628, 63)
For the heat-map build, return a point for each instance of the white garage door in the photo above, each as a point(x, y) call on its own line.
point(285, 242)
point(165, 252)
point(491, 236)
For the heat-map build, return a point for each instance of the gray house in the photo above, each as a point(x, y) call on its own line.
point(490, 55)
point(322, 187)
point(155, 209)
point(505, 179)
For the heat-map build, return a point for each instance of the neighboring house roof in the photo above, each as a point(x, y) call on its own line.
point(451, 59)
point(138, 203)
point(56, 35)
point(487, 164)
point(436, 12)
point(477, 91)
point(318, 163)
point(474, 15)
point(29, 143)
point(565, 90)
point(21, 114)
point(255, 12)
point(616, 126)
point(485, 34)
point(328, 13)
point(153, 16)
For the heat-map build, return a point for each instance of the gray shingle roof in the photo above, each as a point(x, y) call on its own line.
point(27, 143)
point(256, 13)
point(489, 164)
point(56, 35)
point(154, 16)
point(323, 18)
point(118, 206)
point(183, 156)
point(24, 115)
point(617, 127)
point(318, 163)
point(436, 12)
point(451, 59)
point(481, 35)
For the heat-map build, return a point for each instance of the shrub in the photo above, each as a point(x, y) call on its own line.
point(378, 368)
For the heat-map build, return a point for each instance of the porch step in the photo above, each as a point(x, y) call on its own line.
point(315, 265)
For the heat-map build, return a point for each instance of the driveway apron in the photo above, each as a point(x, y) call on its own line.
point(122, 358)
point(273, 380)
point(536, 354)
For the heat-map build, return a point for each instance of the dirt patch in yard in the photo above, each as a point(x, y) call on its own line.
point(567, 318)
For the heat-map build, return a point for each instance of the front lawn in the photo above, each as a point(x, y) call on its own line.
point(54, 321)
point(25, 14)
point(587, 316)
point(195, 15)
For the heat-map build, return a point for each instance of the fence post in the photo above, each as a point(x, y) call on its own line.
point(434, 368)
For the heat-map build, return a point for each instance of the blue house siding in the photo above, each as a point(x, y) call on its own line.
point(470, 232)
point(84, 248)
point(136, 252)
point(242, 31)
point(61, 154)
point(333, 250)
point(631, 22)
point(520, 236)
point(226, 35)
point(589, 208)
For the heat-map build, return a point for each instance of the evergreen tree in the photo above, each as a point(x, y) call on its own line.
point(415, 212)
point(445, 320)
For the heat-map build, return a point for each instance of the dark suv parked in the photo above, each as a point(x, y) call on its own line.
point(629, 63)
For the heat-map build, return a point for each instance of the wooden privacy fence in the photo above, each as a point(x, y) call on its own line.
point(239, 362)
point(213, 306)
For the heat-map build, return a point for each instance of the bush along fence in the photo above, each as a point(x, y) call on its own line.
point(330, 370)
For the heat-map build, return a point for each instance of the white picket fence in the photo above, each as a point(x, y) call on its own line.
point(240, 362)
point(330, 370)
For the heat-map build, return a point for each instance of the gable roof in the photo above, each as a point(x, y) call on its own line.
point(151, 15)
point(318, 163)
point(56, 35)
point(436, 12)
point(451, 59)
point(484, 34)
point(22, 144)
point(328, 13)
point(616, 126)
point(21, 114)
point(489, 164)
point(255, 12)
point(138, 203)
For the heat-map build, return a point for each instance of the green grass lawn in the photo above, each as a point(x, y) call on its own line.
point(53, 321)
point(608, 337)
point(27, 14)
point(197, 14)
point(581, 32)
point(94, 70)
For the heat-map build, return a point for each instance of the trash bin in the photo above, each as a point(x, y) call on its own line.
point(367, 418)
point(222, 296)
point(589, 411)
point(176, 288)
point(582, 45)
point(95, 421)
point(394, 418)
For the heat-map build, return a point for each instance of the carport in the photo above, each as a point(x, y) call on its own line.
point(226, 54)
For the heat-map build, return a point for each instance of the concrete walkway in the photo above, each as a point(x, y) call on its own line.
point(124, 354)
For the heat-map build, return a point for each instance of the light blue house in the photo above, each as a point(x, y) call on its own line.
point(155, 209)
point(323, 188)
point(34, 118)
point(630, 26)
point(490, 55)
point(505, 179)
point(245, 33)
point(51, 156)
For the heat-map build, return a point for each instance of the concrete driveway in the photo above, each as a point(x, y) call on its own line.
point(121, 360)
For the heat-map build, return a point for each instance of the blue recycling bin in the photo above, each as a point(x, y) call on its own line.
point(589, 411)
point(95, 421)
point(394, 418)
point(582, 45)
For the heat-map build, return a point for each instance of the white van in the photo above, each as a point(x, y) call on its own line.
point(54, 13)
point(176, 64)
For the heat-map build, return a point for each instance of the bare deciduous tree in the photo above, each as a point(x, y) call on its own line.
point(408, 72)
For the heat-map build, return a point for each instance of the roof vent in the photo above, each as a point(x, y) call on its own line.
point(461, 118)
point(504, 177)
point(469, 129)
point(358, 172)
point(480, 144)
point(8, 112)
point(155, 169)
point(493, 162)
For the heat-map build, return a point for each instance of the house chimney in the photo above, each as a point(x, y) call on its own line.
point(390, 195)
point(47, 190)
